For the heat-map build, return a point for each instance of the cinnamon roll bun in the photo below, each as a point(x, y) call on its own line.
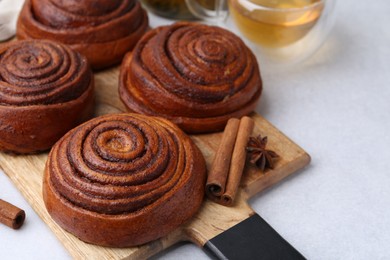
point(123, 180)
point(102, 30)
point(195, 75)
point(46, 89)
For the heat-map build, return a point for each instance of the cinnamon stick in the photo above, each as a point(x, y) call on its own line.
point(228, 165)
point(217, 177)
point(238, 160)
point(11, 215)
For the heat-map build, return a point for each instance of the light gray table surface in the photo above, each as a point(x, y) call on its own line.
point(336, 106)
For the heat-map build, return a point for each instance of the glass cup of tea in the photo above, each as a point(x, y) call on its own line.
point(282, 32)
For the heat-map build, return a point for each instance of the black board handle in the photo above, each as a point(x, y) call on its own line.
point(252, 238)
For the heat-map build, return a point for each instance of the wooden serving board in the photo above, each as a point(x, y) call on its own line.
point(26, 173)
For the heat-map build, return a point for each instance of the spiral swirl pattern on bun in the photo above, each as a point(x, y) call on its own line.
point(45, 90)
point(102, 30)
point(197, 76)
point(41, 72)
point(123, 180)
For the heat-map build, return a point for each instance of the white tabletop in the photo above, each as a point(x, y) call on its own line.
point(336, 106)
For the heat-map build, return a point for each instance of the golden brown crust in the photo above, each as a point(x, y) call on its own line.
point(195, 75)
point(45, 89)
point(101, 30)
point(123, 180)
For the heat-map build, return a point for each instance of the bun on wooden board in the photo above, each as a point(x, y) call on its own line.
point(123, 180)
point(46, 89)
point(197, 76)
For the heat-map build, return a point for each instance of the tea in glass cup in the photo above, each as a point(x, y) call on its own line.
point(275, 23)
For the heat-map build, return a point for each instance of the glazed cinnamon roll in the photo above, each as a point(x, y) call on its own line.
point(123, 180)
point(102, 30)
point(195, 75)
point(46, 89)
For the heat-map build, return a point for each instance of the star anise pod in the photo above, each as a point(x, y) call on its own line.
point(259, 155)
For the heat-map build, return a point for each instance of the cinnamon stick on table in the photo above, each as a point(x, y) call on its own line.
point(11, 215)
point(228, 165)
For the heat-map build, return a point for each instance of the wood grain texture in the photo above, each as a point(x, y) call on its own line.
point(26, 172)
